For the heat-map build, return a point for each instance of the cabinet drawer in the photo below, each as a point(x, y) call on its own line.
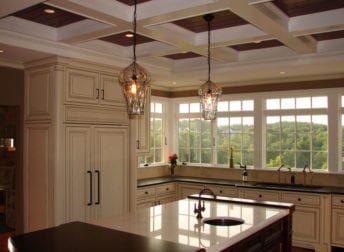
point(145, 192)
point(261, 195)
point(166, 188)
point(338, 201)
point(301, 199)
point(224, 191)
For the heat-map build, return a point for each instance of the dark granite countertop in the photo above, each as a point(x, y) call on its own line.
point(236, 183)
point(79, 236)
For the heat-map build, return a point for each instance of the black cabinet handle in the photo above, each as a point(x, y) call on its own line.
point(146, 192)
point(90, 202)
point(98, 187)
point(299, 199)
point(260, 196)
point(97, 93)
point(103, 94)
point(342, 201)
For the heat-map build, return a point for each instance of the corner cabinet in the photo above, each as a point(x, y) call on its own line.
point(96, 172)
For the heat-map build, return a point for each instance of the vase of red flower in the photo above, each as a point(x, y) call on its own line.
point(172, 159)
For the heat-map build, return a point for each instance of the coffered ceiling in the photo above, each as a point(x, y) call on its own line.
point(252, 41)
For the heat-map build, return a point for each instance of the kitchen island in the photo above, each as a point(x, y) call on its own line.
point(174, 227)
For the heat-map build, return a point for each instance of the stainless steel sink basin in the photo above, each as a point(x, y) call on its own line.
point(292, 186)
point(223, 221)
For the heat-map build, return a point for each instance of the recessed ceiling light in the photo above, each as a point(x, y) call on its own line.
point(282, 72)
point(2, 51)
point(174, 83)
point(49, 11)
point(129, 35)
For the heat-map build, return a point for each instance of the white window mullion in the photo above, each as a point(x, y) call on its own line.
point(259, 134)
point(334, 143)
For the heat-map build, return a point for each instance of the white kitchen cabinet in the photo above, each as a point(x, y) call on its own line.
point(185, 189)
point(93, 88)
point(338, 221)
point(142, 126)
point(258, 194)
point(226, 191)
point(73, 131)
point(96, 171)
point(156, 195)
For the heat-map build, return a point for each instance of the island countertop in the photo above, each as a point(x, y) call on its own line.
point(176, 222)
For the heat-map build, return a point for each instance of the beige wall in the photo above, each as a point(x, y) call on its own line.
point(12, 94)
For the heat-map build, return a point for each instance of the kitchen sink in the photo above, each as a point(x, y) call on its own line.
point(281, 185)
point(223, 221)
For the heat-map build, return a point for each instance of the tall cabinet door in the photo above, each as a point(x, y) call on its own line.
point(78, 173)
point(111, 171)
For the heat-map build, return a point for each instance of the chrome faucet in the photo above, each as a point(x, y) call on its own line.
point(305, 167)
point(199, 209)
point(292, 177)
point(304, 173)
point(283, 166)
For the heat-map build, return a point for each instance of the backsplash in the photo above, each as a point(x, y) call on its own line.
point(313, 178)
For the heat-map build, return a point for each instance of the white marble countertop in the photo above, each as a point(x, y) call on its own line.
point(176, 222)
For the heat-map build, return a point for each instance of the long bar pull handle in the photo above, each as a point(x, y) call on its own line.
point(103, 94)
point(90, 203)
point(97, 93)
point(98, 187)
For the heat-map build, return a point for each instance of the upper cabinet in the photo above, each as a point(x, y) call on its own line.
point(143, 128)
point(87, 87)
point(39, 93)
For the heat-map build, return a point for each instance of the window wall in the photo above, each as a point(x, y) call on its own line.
point(266, 130)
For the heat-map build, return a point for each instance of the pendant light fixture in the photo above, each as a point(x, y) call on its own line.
point(209, 92)
point(134, 80)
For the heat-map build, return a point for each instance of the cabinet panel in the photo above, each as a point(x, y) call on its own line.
point(97, 172)
point(337, 226)
point(338, 201)
point(145, 192)
point(226, 191)
point(78, 166)
point(38, 177)
point(111, 171)
point(38, 86)
point(300, 199)
point(306, 221)
point(82, 86)
point(185, 190)
point(261, 195)
point(165, 189)
point(111, 91)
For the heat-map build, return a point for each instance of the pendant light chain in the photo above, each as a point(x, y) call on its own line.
point(208, 50)
point(134, 26)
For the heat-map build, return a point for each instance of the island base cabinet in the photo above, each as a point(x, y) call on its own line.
point(338, 221)
point(97, 172)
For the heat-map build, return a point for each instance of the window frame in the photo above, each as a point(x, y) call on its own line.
point(333, 112)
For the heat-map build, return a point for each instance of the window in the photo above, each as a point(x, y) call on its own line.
point(156, 135)
point(194, 135)
point(235, 128)
point(296, 132)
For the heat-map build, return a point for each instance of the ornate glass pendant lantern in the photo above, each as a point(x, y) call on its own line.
point(134, 80)
point(209, 92)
